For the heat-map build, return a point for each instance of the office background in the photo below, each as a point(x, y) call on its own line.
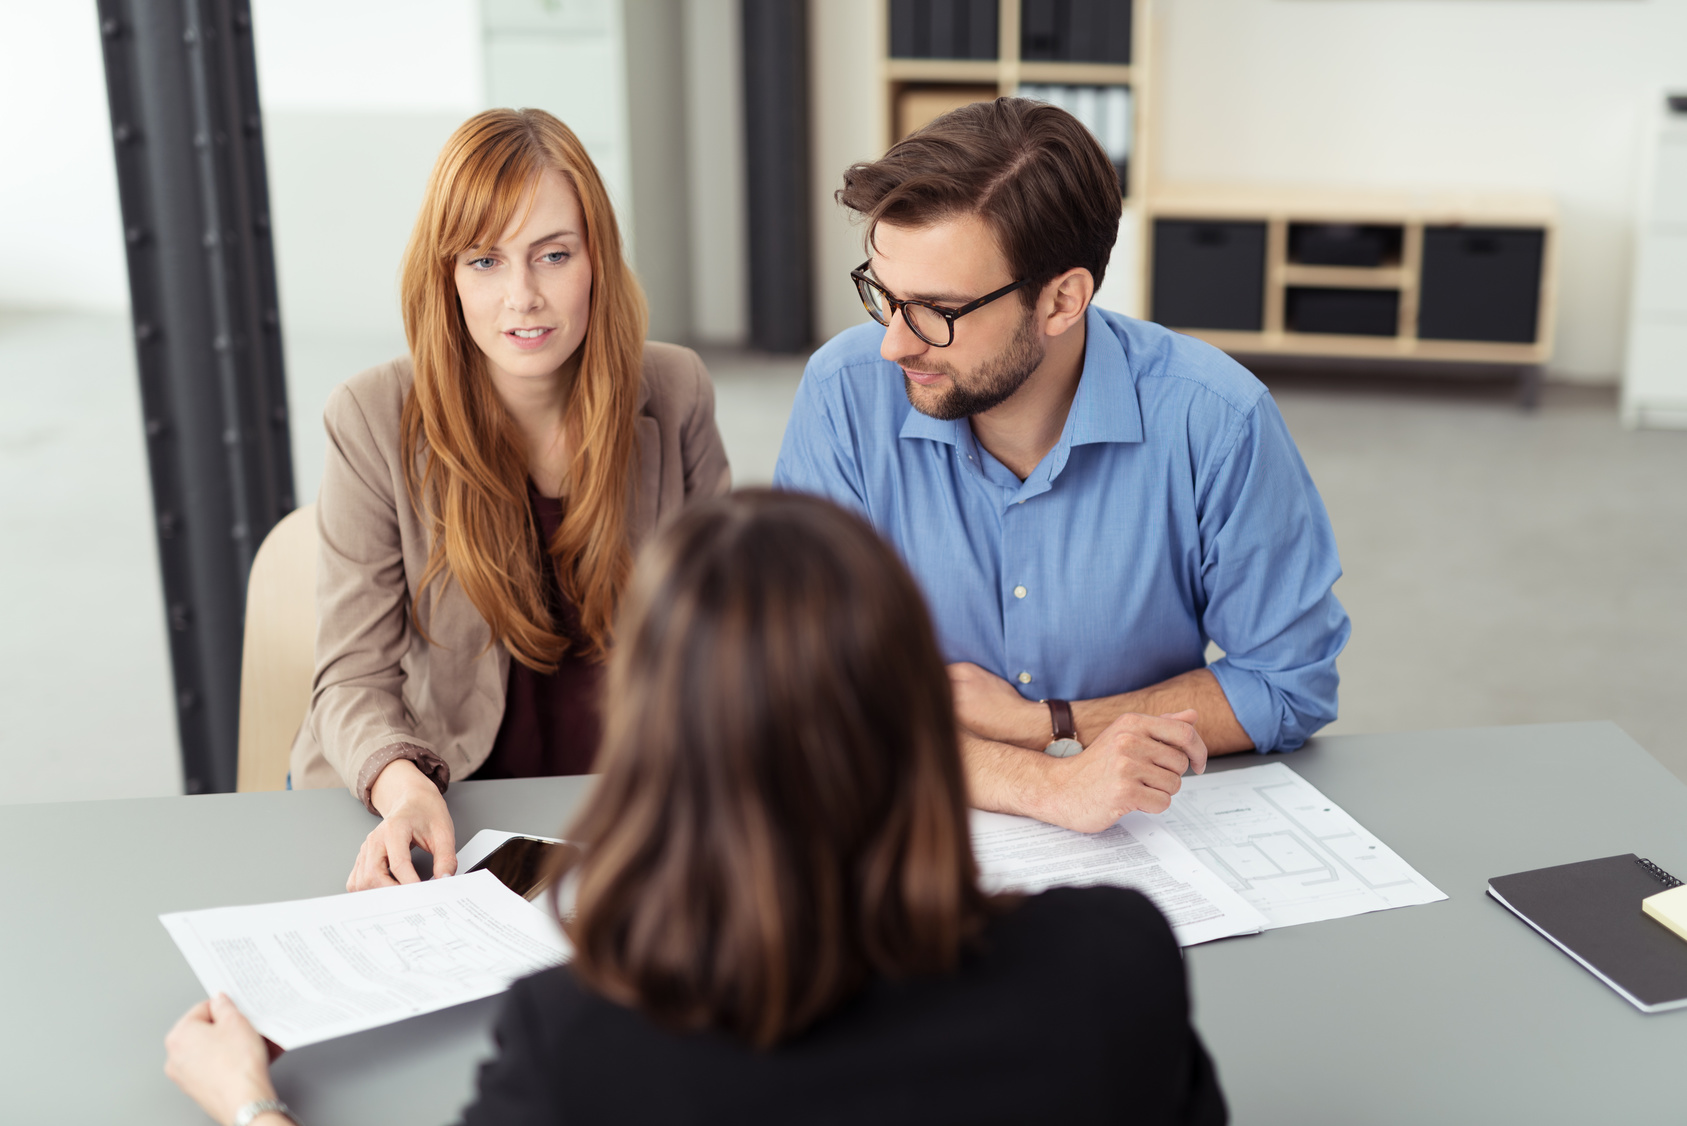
point(1501, 566)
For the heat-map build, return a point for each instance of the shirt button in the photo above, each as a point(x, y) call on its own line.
point(1025, 678)
point(1019, 592)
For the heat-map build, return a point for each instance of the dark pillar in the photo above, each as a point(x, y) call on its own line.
point(182, 83)
point(776, 156)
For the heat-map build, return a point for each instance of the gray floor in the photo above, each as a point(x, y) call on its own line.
point(1501, 567)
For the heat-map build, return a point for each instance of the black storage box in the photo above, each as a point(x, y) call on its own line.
point(943, 29)
point(1481, 283)
point(1343, 244)
point(1209, 275)
point(1346, 312)
point(1075, 31)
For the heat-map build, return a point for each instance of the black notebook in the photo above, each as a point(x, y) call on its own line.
point(1591, 911)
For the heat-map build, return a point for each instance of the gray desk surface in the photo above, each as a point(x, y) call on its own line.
point(1450, 1012)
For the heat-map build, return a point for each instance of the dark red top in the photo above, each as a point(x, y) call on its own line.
point(550, 723)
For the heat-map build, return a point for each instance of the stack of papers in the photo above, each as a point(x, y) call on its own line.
point(1019, 854)
point(1238, 852)
point(1291, 852)
point(314, 969)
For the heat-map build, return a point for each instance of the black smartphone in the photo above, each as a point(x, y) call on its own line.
point(526, 865)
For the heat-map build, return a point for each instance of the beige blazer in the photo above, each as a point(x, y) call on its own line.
point(377, 681)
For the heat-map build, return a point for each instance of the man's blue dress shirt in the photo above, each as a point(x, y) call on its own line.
point(1174, 509)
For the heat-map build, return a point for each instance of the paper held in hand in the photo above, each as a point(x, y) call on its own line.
point(313, 969)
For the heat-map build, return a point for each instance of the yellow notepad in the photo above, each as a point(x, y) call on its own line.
point(1669, 908)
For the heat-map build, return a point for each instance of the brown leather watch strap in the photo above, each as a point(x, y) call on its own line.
point(1060, 713)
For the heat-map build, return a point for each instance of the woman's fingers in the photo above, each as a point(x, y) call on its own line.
point(370, 869)
point(442, 842)
point(224, 1012)
point(399, 864)
point(217, 1057)
point(422, 820)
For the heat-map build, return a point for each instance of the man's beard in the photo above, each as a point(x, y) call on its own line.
point(993, 384)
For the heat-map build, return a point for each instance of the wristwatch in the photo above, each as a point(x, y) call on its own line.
point(1065, 743)
point(244, 1116)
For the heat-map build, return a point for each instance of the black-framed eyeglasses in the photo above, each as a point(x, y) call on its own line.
point(931, 323)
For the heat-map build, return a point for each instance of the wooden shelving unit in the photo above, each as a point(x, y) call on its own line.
point(1473, 217)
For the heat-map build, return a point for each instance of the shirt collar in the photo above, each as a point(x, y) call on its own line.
point(1105, 408)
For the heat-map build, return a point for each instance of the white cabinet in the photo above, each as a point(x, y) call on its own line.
point(1655, 372)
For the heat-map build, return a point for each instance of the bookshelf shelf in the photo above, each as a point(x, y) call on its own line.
point(943, 70)
point(1356, 277)
point(1077, 74)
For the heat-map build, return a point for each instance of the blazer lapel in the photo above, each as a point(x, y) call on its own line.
point(647, 493)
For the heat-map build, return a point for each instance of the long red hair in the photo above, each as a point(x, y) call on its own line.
point(463, 462)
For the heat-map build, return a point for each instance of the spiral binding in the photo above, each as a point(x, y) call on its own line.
point(1664, 877)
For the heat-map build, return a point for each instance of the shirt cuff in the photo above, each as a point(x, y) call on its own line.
point(1251, 702)
point(426, 761)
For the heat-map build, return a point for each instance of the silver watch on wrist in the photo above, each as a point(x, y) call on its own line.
point(244, 1116)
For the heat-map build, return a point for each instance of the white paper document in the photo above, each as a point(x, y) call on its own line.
point(1287, 849)
point(314, 969)
point(1019, 854)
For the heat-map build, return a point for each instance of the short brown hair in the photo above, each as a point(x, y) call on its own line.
point(782, 813)
point(1032, 171)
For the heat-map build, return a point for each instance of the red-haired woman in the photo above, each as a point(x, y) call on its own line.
point(482, 497)
point(777, 915)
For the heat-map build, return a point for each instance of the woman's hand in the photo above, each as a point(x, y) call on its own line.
point(413, 812)
point(217, 1057)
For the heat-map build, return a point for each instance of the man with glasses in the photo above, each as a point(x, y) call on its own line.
point(1086, 499)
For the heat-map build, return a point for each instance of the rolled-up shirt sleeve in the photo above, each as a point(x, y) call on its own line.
point(1268, 566)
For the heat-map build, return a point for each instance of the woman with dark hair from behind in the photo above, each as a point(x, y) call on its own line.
point(777, 915)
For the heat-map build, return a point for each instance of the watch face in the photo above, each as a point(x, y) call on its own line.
point(1063, 748)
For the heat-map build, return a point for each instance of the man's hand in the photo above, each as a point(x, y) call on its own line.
point(413, 812)
point(1137, 762)
point(217, 1057)
point(991, 708)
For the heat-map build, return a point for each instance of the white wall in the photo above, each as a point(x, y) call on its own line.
point(1545, 95)
point(352, 123)
point(569, 58)
point(61, 235)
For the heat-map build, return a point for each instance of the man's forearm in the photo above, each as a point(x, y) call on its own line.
point(1003, 778)
point(1198, 689)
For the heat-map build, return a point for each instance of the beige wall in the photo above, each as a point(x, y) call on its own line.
point(714, 125)
point(656, 150)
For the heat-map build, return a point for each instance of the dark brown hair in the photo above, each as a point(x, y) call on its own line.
point(782, 813)
point(1032, 171)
